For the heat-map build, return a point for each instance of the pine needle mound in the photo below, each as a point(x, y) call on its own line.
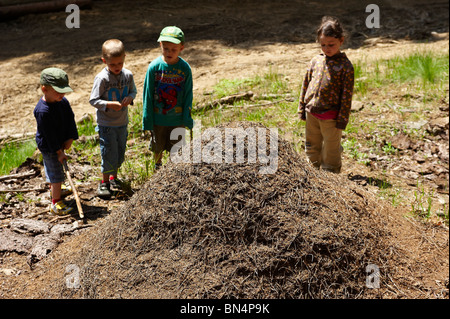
point(225, 230)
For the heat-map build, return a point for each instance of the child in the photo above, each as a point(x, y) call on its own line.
point(167, 96)
point(326, 98)
point(56, 130)
point(112, 92)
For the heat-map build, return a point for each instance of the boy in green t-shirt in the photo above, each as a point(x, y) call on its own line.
point(167, 95)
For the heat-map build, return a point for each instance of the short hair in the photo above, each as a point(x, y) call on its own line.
point(112, 48)
point(330, 27)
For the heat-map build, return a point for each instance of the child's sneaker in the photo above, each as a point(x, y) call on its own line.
point(60, 208)
point(65, 190)
point(115, 185)
point(103, 190)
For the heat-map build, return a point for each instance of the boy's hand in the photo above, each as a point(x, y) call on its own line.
point(61, 156)
point(67, 144)
point(116, 106)
point(126, 101)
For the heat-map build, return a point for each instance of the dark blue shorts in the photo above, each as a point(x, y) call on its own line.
point(54, 172)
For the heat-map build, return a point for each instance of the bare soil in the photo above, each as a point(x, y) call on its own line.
point(225, 40)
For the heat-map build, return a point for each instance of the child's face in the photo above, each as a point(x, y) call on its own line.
point(50, 95)
point(171, 51)
point(115, 64)
point(330, 45)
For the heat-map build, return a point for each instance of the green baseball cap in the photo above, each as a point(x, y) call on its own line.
point(171, 34)
point(57, 78)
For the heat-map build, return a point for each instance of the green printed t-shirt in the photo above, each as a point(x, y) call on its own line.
point(167, 95)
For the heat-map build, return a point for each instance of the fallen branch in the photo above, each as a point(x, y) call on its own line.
point(38, 213)
point(24, 190)
point(60, 217)
point(245, 106)
point(16, 138)
point(17, 176)
point(225, 100)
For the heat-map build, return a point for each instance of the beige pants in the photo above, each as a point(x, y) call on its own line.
point(323, 143)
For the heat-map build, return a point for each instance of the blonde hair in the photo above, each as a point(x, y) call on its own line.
point(112, 48)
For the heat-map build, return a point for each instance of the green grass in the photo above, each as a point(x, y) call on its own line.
point(267, 83)
point(12, 155)
point(352, 146)
point(420, 70)
point(86, 128)
point(267, 87)
point(426, 68)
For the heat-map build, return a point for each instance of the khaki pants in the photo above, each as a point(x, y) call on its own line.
point(323, 143)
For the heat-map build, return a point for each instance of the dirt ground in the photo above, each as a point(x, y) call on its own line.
point(225, 40)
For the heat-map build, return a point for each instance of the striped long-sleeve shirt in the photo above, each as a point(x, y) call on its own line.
point(328, 86)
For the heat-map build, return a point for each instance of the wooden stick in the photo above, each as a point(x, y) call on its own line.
point(74, 190)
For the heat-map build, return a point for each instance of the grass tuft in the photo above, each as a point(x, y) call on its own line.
point(12, 155)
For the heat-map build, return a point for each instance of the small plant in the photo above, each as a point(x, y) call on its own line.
point(388, 149)
point(4, 198)
point(444, 214)
point(422, 204)
point(352, 146)
point(395, 200)
point(361, 84)
point(20, 197)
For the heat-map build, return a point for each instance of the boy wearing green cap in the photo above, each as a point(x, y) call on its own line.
point(56, 130)
point(167, 95)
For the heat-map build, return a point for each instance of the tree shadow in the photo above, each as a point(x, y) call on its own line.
point(367, 180)
point(239, 24)
point(91, 213)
